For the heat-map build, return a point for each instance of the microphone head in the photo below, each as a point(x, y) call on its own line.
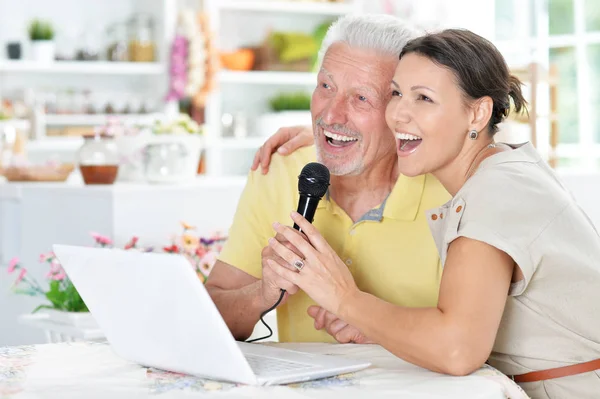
point(313, 180)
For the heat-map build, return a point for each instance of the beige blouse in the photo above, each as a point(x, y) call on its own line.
point(516, 203)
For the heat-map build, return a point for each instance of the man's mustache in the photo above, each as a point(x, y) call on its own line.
point(337, 128)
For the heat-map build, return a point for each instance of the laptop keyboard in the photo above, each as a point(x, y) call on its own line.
point(262, 365)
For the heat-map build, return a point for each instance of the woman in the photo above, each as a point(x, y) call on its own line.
point(511, 229)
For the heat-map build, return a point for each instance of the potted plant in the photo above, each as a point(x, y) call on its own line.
point(64, 304)
point(41, 35)
point(287, 109)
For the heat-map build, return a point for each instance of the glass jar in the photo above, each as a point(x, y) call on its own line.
point(165, 162)
point(89, 46)
point(141, 38)
point(98, 159)
point(117, 43)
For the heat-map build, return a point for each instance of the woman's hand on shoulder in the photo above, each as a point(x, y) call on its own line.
point(285, 141)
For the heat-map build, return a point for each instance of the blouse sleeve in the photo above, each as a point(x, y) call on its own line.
point(508, 211)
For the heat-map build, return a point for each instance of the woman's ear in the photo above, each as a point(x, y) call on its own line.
point(481, 113)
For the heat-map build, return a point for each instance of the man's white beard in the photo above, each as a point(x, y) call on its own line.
point(350, 168)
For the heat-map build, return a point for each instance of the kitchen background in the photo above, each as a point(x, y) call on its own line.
point(127, 116)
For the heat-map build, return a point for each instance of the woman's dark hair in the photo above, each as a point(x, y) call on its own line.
point(478, 66)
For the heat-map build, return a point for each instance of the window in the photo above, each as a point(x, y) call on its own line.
point(574, 48)
point(564, 34)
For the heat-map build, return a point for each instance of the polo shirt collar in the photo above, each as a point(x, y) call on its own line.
point(402, 203)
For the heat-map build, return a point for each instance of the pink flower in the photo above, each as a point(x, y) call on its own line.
point(100, 239)
point(200, 252)
point(207, 262)
point(45, 257)
point(60, 276)
point(21, 276)
point(12, 265)
point(132, 243)
point(56, 271)
point(55, 266)
point(172, 249)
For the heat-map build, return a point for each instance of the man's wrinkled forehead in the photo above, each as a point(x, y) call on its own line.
point(367, 61)
point(363, 77)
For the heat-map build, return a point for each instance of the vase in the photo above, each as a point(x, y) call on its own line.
point(13, 50)
point(98, 160)
point(42, 51)
point(172, 158)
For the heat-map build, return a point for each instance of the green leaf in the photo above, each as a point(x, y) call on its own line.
point(56, 296)
point(73, 301)
point(40, 30)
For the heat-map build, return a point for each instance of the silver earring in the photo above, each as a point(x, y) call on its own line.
point(473, 134)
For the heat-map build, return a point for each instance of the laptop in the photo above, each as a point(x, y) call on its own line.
point(155, 311)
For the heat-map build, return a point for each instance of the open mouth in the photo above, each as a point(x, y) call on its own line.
point(337, 140)
point(407, 143)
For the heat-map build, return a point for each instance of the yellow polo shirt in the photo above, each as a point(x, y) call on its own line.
point(390, 250)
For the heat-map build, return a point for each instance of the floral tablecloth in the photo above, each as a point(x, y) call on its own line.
point(92, 370)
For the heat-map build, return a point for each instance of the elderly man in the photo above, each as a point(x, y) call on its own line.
point(372, 217)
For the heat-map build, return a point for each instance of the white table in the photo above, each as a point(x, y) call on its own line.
point(92, 370)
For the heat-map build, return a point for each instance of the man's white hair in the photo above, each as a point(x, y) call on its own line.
point(380, 32)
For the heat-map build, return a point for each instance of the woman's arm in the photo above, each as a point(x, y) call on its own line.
point(285, 141)
point(456, 337)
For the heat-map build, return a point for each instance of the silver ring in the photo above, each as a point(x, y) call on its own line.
point(298, 264)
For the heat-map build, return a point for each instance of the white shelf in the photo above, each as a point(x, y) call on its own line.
point(84, 67)
point(22, 124)
point(283, 6)
point(74, 142)
point(268, 78)
point(55, 144)
point(98, 119)
point(241, 143)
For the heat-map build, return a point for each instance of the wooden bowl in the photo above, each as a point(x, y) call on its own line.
point(38, 173)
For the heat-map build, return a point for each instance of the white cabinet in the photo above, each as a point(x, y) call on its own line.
point(132, 87)
point(244, 95)
point(35, 216)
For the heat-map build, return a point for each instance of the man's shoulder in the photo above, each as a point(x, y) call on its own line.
point(434, 193)
point(279, 186)
point(284, 169)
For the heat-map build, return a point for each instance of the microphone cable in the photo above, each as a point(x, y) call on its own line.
point(263, 314)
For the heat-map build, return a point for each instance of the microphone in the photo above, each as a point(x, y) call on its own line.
point(312, 186)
